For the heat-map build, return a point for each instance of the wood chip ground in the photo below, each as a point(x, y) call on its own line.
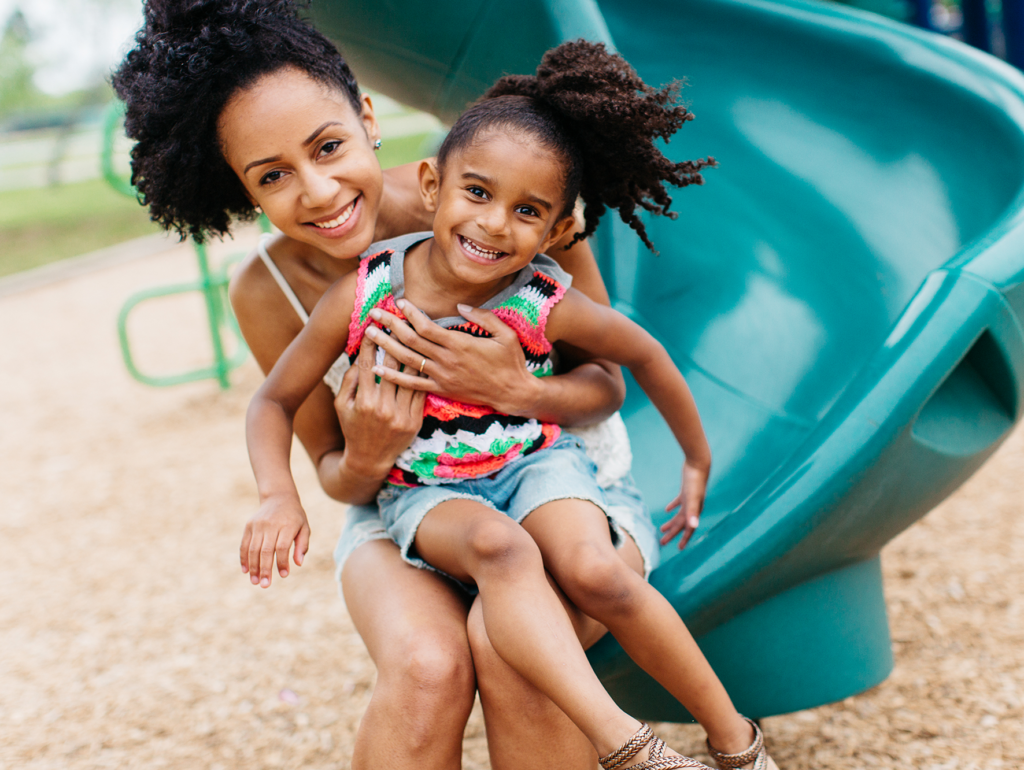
point(130, 639)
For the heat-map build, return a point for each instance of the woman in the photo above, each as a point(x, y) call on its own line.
point(238, 105)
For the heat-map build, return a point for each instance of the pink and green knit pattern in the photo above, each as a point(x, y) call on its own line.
point(457, 440)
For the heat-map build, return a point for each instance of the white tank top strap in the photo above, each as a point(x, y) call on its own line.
point(337, 371)
point(279, 278)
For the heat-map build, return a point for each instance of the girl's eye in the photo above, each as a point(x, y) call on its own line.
point(328, 147)
point(528, 211)
point(270, 177)
point(479, 192)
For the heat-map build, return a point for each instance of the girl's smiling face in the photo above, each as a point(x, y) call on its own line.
point(306, 158)
point(497, 203)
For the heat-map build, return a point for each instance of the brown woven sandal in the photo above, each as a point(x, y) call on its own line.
point(656, 759)
point(756, 753)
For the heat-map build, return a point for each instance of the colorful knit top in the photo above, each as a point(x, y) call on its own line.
point(459, 440)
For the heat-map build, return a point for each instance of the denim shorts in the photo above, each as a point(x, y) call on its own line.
point(560, 472)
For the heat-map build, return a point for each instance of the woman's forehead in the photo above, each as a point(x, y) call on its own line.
point(283, 107)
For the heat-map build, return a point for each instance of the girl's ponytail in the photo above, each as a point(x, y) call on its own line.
point(612, 118)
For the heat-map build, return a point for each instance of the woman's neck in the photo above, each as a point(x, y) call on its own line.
point(401, 207)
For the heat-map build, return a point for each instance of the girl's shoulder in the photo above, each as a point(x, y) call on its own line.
point(400, 244)
point(551, 270)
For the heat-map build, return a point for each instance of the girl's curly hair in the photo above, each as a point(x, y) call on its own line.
point(591, 108)
point(190, 58)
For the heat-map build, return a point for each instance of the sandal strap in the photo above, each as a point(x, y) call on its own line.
point(755, 753)
point(657, 760)
point(629, 749)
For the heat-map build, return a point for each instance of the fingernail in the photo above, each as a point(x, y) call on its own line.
point(464, 308)
point(255, 580)
point(400, 303)
point(377, 370)
point(372, 332)
point(244, 568)
point(694, 522)
point(375, 314)
point(284, 573)
point(265, 582)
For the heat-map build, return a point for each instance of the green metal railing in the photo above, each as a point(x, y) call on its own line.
point(212, 284)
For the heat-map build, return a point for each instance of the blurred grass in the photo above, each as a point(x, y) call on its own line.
point(45, 225)
point(40, 226)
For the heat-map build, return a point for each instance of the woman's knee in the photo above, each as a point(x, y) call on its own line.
point(433, 665)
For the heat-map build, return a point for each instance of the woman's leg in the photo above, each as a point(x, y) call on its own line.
point(524, 619)
point(414, 625)
point(525, 729)
point(573, 537)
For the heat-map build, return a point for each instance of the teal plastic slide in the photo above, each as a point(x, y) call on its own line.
point(845, 296)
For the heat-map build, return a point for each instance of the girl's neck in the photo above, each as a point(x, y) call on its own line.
point(436, 291)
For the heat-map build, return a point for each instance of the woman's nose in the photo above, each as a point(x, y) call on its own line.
point(318, 190)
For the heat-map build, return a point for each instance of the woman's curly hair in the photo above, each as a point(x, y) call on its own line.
point(591, 108)
point(190, 58)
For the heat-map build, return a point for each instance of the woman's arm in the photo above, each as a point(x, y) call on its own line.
point(601, 331)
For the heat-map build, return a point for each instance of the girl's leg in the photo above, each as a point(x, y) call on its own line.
point(414, 625)
point(525, 729)
point(574, 540)
point(523, 617)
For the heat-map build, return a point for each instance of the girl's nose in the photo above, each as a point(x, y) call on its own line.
point(492, 220)
point(318, 190)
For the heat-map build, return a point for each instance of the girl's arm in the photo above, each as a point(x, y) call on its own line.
point(493, 371)
point(378, 421)
point(280, 521)
point(600, 331)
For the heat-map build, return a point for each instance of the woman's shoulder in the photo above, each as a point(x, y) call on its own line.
point(252, 282)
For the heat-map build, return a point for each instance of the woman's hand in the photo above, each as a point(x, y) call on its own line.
point(690, 502)
point(475, 370)
point(278, 524)
point(378, 419)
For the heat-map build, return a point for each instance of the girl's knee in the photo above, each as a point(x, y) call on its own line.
point(500, 542)
point(597, 580)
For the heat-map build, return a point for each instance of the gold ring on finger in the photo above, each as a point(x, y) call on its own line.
point(422, 364)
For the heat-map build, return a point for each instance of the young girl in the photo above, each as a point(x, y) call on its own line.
point(502, 191)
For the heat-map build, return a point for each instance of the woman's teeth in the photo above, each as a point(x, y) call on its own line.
point(473, 248)
point(340, 220)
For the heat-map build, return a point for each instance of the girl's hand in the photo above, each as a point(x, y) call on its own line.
point(475, 370)
point(378, 419)
point(278, 523)
point(690, 502)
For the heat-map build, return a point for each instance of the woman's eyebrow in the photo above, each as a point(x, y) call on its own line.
point(312, 138)
point(315, 134)
point(260, 163)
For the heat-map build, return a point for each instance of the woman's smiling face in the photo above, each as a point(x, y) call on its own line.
point(306, 158)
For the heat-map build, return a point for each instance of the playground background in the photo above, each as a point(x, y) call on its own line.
point(128, 636)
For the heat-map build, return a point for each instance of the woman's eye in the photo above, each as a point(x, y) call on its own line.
point(270, 177)
point(328, 147)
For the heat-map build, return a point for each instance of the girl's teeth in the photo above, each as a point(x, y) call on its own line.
point(480, 252)
point(339, 221)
